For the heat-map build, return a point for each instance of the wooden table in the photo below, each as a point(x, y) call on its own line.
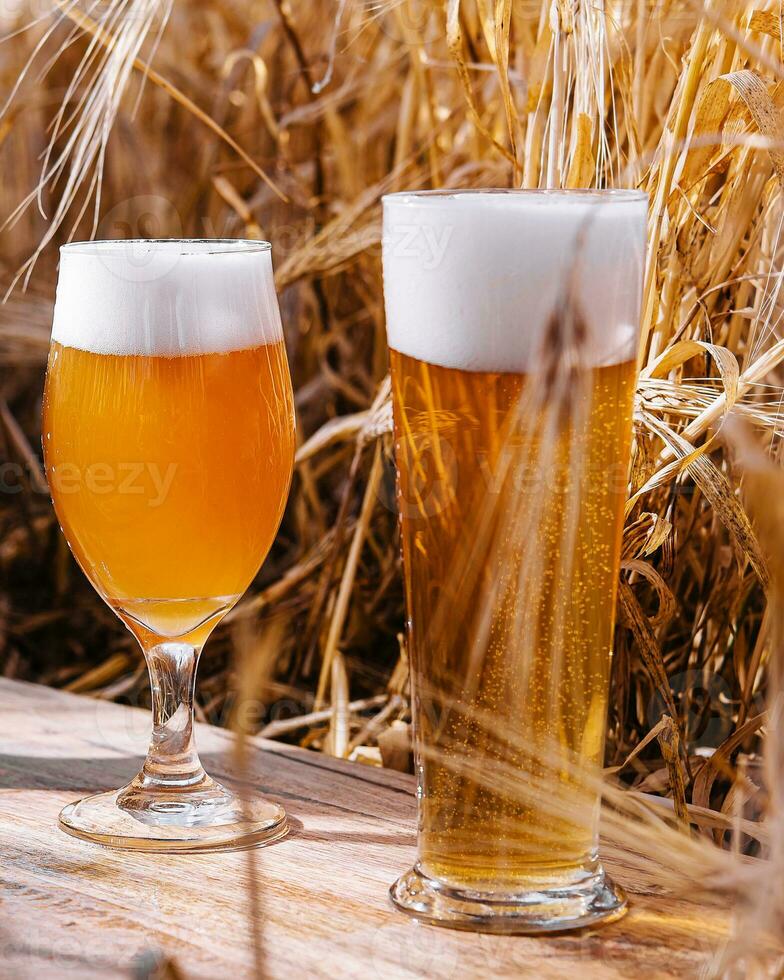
point(72, 909)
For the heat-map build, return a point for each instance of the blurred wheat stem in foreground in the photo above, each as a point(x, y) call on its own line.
point(106, 131)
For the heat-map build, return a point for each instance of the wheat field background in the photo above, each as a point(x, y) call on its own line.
point(266, 119)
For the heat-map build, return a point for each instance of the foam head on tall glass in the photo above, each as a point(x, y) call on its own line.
point(512, 321)
point(168, 434)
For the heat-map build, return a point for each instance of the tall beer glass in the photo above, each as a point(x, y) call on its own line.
point(168, 431)
point(512, 320)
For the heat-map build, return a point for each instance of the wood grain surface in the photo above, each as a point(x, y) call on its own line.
point(72, 909)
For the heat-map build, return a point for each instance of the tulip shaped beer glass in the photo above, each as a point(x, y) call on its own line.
point(168, 431)
point(512, 321)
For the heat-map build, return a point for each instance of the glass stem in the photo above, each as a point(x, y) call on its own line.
point(172, 760)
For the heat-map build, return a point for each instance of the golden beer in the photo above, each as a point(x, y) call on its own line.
point(168, 434)
point(510, 665)
point(169, 475)
point(512, 322)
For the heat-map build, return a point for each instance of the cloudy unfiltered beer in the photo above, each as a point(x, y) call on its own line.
point(168, 436)
point(169, 510)
point(512, 324)
point(169, 456)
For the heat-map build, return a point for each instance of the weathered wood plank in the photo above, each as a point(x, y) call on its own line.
point(71, 909)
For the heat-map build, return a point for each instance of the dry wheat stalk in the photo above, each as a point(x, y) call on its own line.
point(338, 104)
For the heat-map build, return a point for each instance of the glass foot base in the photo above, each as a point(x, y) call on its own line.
point(205, 818)
point(553, 910)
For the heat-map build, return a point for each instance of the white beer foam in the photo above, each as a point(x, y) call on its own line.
point(166, 298)
point(471, 278)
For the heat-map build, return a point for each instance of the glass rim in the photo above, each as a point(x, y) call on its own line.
point(615, 195)
point(184, 246)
